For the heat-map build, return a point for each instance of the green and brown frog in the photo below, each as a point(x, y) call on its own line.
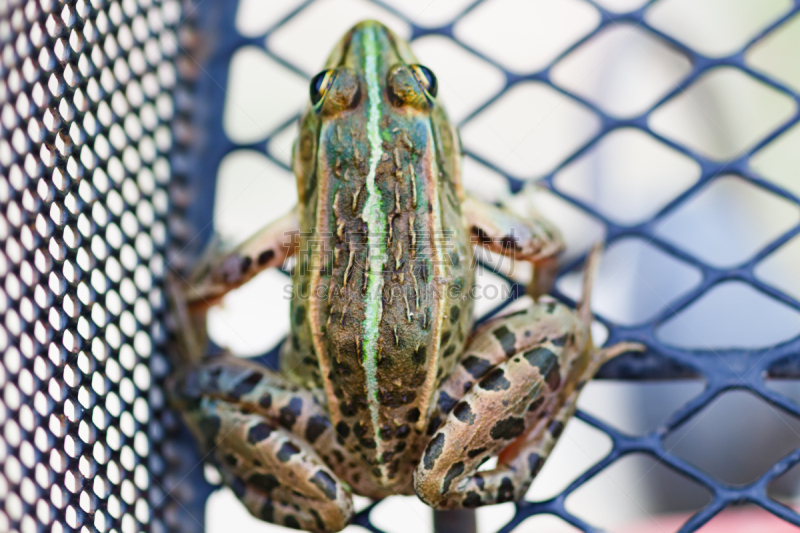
point(383, 388)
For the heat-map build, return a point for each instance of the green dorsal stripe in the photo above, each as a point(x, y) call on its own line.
point(376, 226)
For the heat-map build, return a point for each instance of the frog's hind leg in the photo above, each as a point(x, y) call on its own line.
point(518, 409)
point(221, 271)
point(278, 476)
point(532, 238)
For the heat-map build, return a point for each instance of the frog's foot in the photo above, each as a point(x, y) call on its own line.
point(532, 239)
point(277, 475)
point(221, 271)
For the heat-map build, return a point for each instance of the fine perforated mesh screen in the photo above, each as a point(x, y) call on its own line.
point(667, 128)
point(87, 106)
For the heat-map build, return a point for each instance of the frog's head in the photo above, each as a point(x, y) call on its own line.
point(370, 47)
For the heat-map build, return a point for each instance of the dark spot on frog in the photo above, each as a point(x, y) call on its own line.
point(556, 428)
point(347, 409)
point(559, 341)
point(246, 263)
point(433, 451)
point(413, 415)
point(403, 431)
point(265, 401)
point(506, 491)
point(509, 242)
point(265, 257)
point(433, 425)
point(495, 381)
point(455, 314)
point(456, 470)
point(267, 512)
point(231, 460)
point(386, 433)
point(418, 357)
point(317, 519)
point(535, 463)
point(472, 500)
point(299, 315)
point(547, 363)
point(507, 340)
point(287, 451)
point(536, 404)
point(259, 432)
point(325, 483)
point(483, 238)
point(445, 402)
point(387, 456)
point(400, 446)
point(393, 398)
point(357, 478)
point(508, 428)
point(264, 482)
point(290, 413)
point(295, 343)
point(291, 521)
point(315, 427)
point(359, 430)
point(246, 385)
point(446, 337)
point(479, 481)
point(463, 412)
point(449, 351)
point(376, 472)
point(467, 386)
point(472, 454)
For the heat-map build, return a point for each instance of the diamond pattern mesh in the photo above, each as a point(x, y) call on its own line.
point(93, 129)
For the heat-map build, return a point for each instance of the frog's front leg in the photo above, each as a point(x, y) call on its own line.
point(532, 239)
point(267, 437)
point(224, 270)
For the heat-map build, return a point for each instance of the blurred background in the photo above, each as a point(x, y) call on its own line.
point(536, 134)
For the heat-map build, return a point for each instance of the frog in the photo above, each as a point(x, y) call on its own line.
point(384, 387)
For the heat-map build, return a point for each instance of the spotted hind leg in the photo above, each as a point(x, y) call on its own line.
point(532, 365)
point(277, 475)
point(516, 412)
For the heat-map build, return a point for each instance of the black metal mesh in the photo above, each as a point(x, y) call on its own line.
point(87, 102)
point(91, 107)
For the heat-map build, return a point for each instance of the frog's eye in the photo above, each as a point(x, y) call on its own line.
point(334, 90)
point(320, 84)
point(426, 79)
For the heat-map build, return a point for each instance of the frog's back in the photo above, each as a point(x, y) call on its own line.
point(380, 312)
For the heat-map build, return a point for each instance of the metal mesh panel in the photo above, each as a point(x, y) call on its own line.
point(88, 96)
point(86, 93)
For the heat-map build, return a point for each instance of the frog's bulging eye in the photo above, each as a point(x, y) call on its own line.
point(335, 90)
point(426, 79)
point(320, 85)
